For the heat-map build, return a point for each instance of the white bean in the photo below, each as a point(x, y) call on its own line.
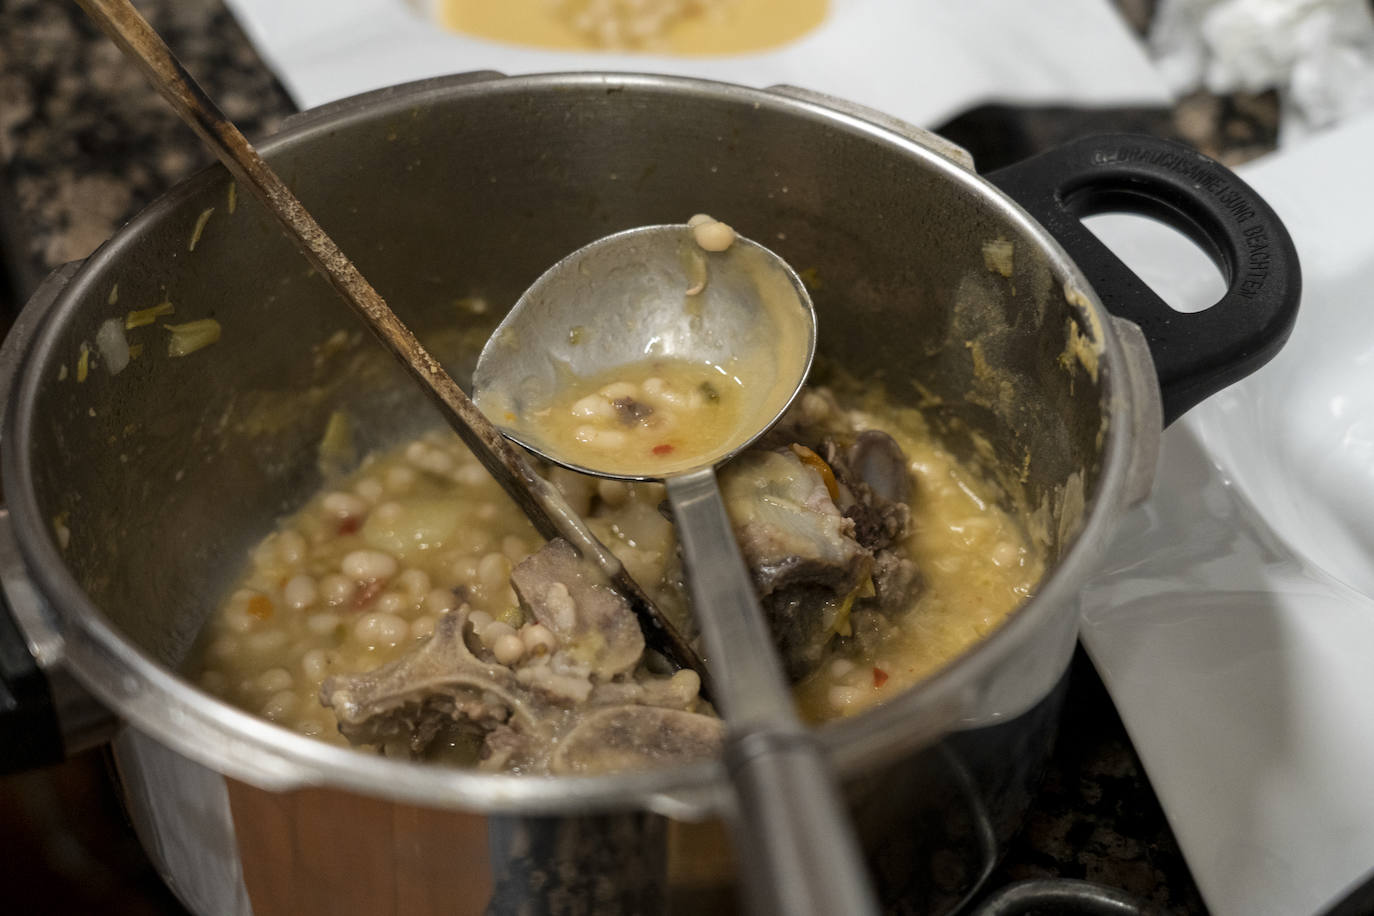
point(439, 601)
point(494, 631)
point(842, 697)
point(315, 664)
point(337, 589)
point(381, 629)
point(515, 548)
point(391, 603)
point(342, 505)
point(434, 460)
point(493, 572)
point(840, 667)
point(508, 648)
point(238, 620)
point(414, 582)
point(266, 642)
point(1006, 554)
point(300, 592)
point(608, 439)
point(422, 627)
point(273, 680)
point(368, 565)
point(279, 706)
point(539, 640)
point(593, 407)
point(400, 479)
point(687, 684)
point(322, 624)
point(616, 390)
point(479, 620)
point(369, 489)
point(291, 547)
point(713, 236)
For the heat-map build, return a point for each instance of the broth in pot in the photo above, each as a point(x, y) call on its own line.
point(410, 608)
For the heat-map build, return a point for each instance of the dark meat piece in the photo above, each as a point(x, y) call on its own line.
point(875, 486)
point(593, 623)
point(799, 548)
point(633, 737)
point(439, 685)
point(631, 411)
point(895, 579)
point(876, 459)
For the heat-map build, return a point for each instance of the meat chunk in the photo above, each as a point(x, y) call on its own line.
point(592, 622)
point(439, 685)
point(632, 737)
point(630, 411)
point(875, 486)
point(800, 550)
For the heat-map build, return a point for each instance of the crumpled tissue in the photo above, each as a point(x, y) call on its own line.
point(1318, 54)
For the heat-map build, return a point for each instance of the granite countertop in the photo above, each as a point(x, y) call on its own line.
point(84, 144)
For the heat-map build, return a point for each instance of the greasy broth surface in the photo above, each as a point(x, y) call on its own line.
point(650, 419)
point(360, 575)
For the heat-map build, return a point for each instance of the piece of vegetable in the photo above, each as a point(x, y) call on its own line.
point(192, 336)
point(83, 362)
point(879, 677)
point(812, 460)
point(199, 227)
point(139, 317)
point(113, 346)
point(260, 606)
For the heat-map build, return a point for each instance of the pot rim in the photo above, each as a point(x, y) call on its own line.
point(157, 701)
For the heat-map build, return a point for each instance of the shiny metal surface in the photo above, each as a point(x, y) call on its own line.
point(203, 453)
point(1062, 895)
point(622, 300)
point(800, 858)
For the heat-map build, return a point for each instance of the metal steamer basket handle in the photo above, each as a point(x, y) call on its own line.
point(1195, 354)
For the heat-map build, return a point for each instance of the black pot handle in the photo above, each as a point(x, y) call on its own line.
point(1198, 353)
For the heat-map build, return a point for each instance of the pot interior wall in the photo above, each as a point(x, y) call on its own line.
point(166, 472)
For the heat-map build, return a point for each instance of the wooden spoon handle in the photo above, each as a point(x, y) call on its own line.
point(538, 499)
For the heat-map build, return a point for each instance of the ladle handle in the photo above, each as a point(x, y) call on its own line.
point(797, 849)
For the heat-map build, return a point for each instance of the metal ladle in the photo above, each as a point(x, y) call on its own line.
point(617, 302)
